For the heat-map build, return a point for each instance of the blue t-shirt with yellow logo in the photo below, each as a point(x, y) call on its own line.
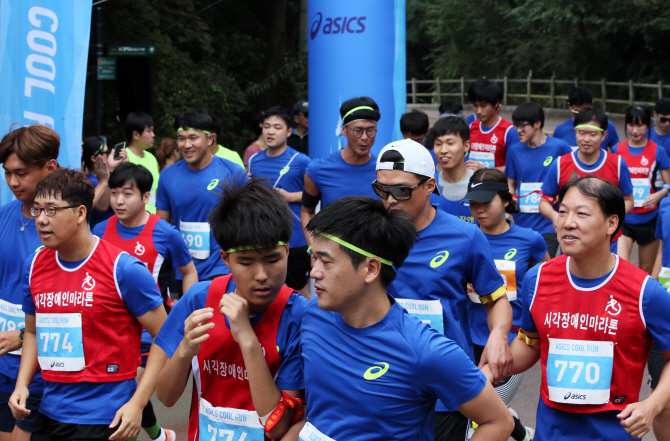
point(293, 165)
point(190, 196)
point(514, 251)
point(529, 167)
point(394, 371)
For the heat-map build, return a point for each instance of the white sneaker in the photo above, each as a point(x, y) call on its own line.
point(530, 433)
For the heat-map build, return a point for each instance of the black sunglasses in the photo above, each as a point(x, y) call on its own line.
point(399, 192)
point(663, 119)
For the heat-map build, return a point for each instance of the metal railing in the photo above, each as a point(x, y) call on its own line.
point(614, 96)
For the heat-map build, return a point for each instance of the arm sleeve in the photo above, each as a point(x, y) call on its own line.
point(482, 271)
point(28, 304)
point(550, 184)
point(625, 183)
point(527, 294)
point(510, 166)
point(655, 307)
point(538, 248)
point(289, 376)
point(138, 287)
point(662, 158)
point(162, 198)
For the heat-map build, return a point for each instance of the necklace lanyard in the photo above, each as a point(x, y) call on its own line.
point(284, 170)
point(23, 226)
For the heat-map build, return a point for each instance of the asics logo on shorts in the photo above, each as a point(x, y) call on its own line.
point(212, 185)
point(438, 260)
point(378, 371)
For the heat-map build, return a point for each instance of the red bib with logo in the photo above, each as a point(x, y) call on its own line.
point(641, 167)
point(492, 141)
point(141, 247)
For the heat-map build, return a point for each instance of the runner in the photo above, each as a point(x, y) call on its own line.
point(643, 158)
point(86, 302)
point(448, 254)
point(139, 131)
point(450, 140)
point(515, 249)
point(152, 240)
point(284, 168)
point(590, 318)
point(527, 165)
point(373, 372)
point(188, 191)
point(226, 330)
point(490, 135)
point(349, 171)
point(588, 160)
point(27, 154)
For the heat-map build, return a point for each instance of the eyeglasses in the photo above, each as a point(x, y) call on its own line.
point(358, 131)
point(521, 126)
point(663, 119)
point(49, 211)
point(399, 192)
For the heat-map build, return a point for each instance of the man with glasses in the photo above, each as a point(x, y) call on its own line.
point(527, 165)
point(579, 99)
point(85, 304)
point(449, 253)
point(349, 171)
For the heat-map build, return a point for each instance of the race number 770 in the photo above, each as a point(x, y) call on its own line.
point(592, 374)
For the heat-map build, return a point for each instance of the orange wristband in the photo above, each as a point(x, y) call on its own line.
point(278, 412)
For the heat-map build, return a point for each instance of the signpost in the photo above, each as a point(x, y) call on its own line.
point(122, 50)
point(106, 68)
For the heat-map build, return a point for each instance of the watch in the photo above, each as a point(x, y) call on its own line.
point(21, 332)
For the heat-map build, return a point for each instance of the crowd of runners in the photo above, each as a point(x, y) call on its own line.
point(442, 269)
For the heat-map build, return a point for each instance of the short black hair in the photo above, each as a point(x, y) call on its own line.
point(495, 175)
point(662, 106)
point(217, 127)
point(414, 122)
point(590, 114)
point(281, 112)
point(252, 214)
point(129, 172)
point(449, 125)
point(365, 223)
point(451, 106)
point(608, 195)
point(528, 112)
point(637, 114)
point(71, 186)
point(195, 119)
point(580, 96)
point(257, 122)
point(486, 91)
point(91, 146)
point(363, 101)
point(136, 122)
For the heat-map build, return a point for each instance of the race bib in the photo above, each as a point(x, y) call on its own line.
point(530, 203)
point(579, 372)
point(12, 318)
point(60, 343)
point(196, 236)
point(664, 278)
point(487, 159)
point(227, 424)
point(311, 433)
point(428, 311)
point(641, 189)
point(507, 269)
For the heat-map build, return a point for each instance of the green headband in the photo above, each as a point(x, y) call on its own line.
point(354, 248)
point(355, 109)
point(181, 129)
point(97, 152)
point(589, 126)
point(253, 247)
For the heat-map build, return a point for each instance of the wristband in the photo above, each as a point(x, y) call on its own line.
point(666, 186)
point(529, 341)
point(278, 412)
point(21, 332)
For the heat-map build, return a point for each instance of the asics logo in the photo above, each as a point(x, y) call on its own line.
point(438, 260)
point(548, 161)
point(212, 185)
point(284, 170)
point(511, 253)
point(376, 371)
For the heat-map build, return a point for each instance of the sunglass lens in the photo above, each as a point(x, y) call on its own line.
point(379, 191)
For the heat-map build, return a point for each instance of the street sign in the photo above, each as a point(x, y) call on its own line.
point(122, 50)
point(106, 68)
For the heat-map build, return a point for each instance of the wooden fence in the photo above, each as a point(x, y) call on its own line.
point(610, 96)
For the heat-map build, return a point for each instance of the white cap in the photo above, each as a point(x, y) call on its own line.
point(417, 159)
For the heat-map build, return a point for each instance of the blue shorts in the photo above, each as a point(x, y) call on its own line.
point(7, 420)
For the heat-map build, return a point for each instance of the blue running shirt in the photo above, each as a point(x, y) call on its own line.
point(335, 178)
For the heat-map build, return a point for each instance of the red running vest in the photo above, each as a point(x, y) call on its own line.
point(223, 379)
point(111, 334)
point(141, 247)
point(491, 142)
point(641, 167)
point(561, 311)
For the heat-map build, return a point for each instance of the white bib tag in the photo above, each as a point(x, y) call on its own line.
point(60, 342)
point(311, 433)
point(641, 189)
point(664, 277)
point(12, 318)
point(196, 236)
point(428, 311)
point(487, 159)
point(530, 203)
point(227, 424)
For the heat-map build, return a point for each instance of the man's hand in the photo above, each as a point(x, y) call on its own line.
point(113, 163)
point(195, 331)
point(236, 308)
point(637, 418)
point(498, 356)
point(101, 170)
point(652, 200)
point(130, 416)
point(284, 194)
point(473, 165)
point(10, 341)
point(17, 403)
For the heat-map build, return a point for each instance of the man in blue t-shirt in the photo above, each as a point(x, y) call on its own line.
point(350, 170)
point(580, 98)
point(114, 299)
point(358, 345)
point(448, 255)
point(284, 169)
point(527, 165)
point(660, 132)
point(27, 155)
point(189, 189)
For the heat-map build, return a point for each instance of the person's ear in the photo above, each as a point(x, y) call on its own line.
point(373, 269)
